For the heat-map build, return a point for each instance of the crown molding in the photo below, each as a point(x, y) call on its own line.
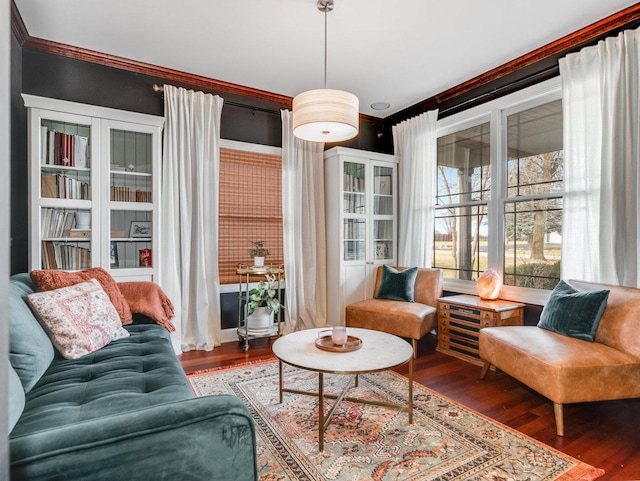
point(164, 73)
point(585, 35)
point(22, 35)
point(86, 55)
point(18, 27)
point(537, 63)
point(569, 42)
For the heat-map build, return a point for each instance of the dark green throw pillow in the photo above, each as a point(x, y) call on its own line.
point(397, 285)
point(573, 313)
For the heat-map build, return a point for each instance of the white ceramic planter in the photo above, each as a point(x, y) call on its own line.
point(258, 261)
point(260, 319)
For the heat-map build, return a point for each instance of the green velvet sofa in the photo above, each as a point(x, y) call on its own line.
point(123, 412)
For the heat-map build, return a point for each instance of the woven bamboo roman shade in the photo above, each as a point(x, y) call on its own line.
point(250, 209)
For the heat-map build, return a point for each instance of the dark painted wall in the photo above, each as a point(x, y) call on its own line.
point(19, 197)
point(64, 78)
point(243, 119)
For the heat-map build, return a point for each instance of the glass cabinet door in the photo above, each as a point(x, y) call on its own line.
point(65, 160)
point(355, 198)
point(130, 198)
point(355, 211)
point(355, 241)
point(93, 188)
point(65, 182)
point(65, 235)
point(383, 220)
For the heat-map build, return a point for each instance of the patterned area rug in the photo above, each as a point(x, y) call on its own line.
point(363, 442)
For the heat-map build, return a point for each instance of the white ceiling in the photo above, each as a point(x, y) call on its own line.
point(400, 51)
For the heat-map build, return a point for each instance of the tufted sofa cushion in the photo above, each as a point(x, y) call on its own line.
point(126, 375)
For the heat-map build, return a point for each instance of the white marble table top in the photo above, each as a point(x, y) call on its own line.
point(380, 351)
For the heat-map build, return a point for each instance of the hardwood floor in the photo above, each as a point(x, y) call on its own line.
point(603, 434)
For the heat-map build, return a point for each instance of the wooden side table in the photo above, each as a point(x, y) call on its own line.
point(460, 319)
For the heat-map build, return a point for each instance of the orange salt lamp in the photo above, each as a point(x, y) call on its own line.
point(489, 284)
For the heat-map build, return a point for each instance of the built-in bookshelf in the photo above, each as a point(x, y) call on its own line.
point(94, 188)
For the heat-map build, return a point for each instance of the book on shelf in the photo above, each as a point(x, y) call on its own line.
point(56, 255)
point(51, 135)
point(353, 183)
point(354, 230)
point(60, 186)
point(43, 144)
point(127, 194)
point(56, 223)
point(81, 151)
point(69, 150)
point(48, 186)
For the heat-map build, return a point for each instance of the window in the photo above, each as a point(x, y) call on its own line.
point(499, 192)
point(533, 204)
point(250, 205)
point(462, 191)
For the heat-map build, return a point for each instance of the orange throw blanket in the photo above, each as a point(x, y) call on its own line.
point(149, 299)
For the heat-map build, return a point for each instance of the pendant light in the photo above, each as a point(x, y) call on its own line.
point(325, 115)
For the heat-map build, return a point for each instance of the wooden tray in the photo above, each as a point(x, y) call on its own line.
point(326, 344)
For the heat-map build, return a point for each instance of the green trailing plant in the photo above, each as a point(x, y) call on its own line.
point(264, 296)
point(258, 250)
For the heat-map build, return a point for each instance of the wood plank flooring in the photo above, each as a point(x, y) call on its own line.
point(603, 434)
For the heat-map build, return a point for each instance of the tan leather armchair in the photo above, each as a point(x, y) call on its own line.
point(568, 370)
point(405, 319)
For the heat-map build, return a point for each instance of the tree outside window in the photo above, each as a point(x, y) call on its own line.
point(533, 205)
point(462, 192)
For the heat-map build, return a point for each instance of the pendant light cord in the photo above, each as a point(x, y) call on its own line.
point(325, 46)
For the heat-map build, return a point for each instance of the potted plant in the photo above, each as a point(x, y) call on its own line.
point(258, 252)
point(263, 304)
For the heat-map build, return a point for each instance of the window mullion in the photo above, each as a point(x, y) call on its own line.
point(496, 208)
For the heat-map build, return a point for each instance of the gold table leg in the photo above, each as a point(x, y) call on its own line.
point(280, 380)
point(411, 391)
point(320, 411)
point(323, 420)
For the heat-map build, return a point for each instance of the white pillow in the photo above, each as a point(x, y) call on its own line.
point(79, 319)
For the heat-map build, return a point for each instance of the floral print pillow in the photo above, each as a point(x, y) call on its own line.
point(79, 319)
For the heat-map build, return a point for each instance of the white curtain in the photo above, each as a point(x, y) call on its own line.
point(601, 108)
point(415, 144)
point(303, 222)
point(189, 212)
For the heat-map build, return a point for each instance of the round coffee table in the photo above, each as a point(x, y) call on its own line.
point(379, 352)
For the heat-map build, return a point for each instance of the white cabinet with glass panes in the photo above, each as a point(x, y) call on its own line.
point(361, 208)
point(93, 188)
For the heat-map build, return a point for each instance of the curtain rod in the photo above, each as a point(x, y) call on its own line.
point(492, 93)
point(160, 88)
